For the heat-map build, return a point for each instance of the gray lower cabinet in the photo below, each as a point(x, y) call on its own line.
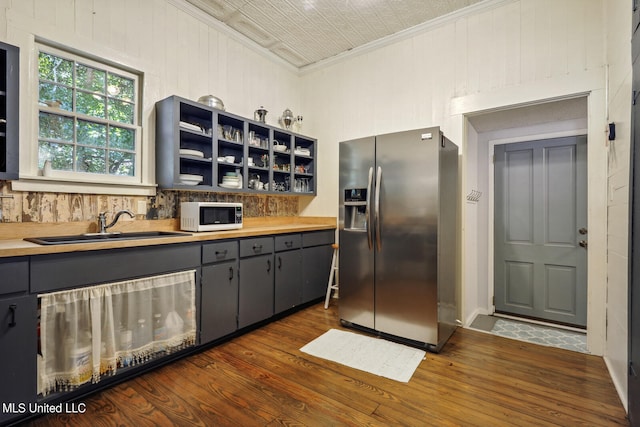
point(288, 272)
point(18, 340)
point(219, 294)
point(316, 263)
point(255, 302)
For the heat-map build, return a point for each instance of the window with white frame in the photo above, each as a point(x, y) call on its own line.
point(88, 117)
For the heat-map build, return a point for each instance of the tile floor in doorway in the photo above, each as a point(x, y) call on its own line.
point(531, 332)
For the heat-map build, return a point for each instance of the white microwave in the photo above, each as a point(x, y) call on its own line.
point(210, 216)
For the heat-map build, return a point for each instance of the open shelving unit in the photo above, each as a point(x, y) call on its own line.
point(195, 139)
point(9, 110)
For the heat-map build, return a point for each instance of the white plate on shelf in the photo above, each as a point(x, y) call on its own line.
point(191, 126)
point(194, 153)
point(280, 148)
point(223, 185)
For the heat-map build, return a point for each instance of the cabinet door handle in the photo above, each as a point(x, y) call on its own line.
point(221, 253)
point(268, 265)
point(13, 308)
point(257, 248)
point(279, 263)
point(230, 273)
point(288, 243)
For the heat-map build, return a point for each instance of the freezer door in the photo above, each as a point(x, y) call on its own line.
point(355, 232)
point(406, 257)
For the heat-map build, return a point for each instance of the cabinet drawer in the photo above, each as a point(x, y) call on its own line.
point(287, 242)
point(15, 272)
point(251, 247)
point(317, 238)
point(216, 252)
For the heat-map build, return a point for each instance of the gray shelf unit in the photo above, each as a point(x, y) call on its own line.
point(9, 110)
point(256, 141)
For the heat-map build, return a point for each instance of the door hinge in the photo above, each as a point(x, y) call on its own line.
point(493, 300)
point(632, 372)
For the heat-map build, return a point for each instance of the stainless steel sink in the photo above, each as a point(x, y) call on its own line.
point(102, 237)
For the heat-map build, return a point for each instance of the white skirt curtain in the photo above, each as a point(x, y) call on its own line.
point(94, 331)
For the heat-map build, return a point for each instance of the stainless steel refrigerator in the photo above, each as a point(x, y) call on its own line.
point(398, 234)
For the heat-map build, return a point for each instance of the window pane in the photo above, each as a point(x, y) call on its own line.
point(53, 126)
point(55, 69)
point(90, 133)
point(90, 79)
point(120, 111)
point(91, 160)
point(121, 138)
point(90, 104)
point(120, 87)
point(121, 163)
point(61, 155)
point(50, 93)
point(95, 100)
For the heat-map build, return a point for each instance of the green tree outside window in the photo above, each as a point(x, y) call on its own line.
point(86, 120)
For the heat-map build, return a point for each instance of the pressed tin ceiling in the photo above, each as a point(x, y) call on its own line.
point(303, 32)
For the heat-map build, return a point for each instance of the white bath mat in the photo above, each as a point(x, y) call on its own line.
point(374, 355)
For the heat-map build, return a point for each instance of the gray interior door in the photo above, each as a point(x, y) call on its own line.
point(540, 260)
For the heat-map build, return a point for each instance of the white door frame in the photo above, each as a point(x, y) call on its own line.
point(597, 158)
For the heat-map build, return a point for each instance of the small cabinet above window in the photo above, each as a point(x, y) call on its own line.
point(205, 149)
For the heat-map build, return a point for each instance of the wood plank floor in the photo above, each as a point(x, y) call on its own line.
point(262, 379)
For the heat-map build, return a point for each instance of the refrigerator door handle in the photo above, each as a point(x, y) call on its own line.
point(377, 208)
point(367, 213)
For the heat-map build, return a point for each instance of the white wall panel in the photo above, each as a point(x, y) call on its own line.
point(576, 49)
point(45, 11)
point(101, 20)
point(82, 19)
point(618, 56)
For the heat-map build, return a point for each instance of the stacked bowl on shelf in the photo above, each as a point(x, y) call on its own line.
point(231, 180)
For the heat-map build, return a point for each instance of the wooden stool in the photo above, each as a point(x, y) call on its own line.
point(334, 273)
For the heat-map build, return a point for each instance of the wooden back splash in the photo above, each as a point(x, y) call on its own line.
point(30, 207)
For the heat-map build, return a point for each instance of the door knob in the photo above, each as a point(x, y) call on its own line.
point(582, 231)
point(583, 243)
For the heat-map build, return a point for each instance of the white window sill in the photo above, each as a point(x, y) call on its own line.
point(62, 185)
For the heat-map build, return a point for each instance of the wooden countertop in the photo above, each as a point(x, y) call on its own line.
point(12, 234)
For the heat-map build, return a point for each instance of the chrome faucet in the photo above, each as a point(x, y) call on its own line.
point(102, 219)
